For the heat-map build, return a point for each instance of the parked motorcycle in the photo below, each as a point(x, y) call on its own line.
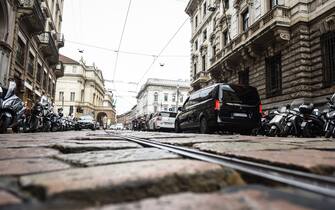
point(313, 123)
point(330, 118)
point(11, 109)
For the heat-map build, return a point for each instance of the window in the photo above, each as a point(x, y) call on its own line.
point(225, 38)
point(165, 107)
point(50, 87)
point(273, 3)
point(155, 96)
point(196, 21)
point(20, 52)
point(328, 57)
point(204, 8)
point(245, 20)
point(71, 110)
point(39, 74)
point(61, 96)
point(204, 63)
point(204, 34)
point(243, 77)
point(214, 50)
point(226, 4)
point(195, 68)
point(196, 45)
point(72, 96)
point(273, 75)
point(31, 60)
point(166, 97)
point(174, 97)
point(45, 82)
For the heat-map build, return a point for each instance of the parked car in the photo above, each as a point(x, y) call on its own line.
point(85, 122)
point(162, 121)
point(226, 107)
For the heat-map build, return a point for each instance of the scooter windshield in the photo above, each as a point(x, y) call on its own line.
point(11, 89)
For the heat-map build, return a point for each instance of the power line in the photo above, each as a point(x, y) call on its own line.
point(124, 52)
point(160, 53)
point(124, 27)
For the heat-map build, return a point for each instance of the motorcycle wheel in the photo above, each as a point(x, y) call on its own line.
point(329, 132)
point(4, 124)
point(33, 124)
point(306, 132)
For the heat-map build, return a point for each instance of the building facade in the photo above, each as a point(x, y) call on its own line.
point(30, 41)
point(284, 48)
point(161, 95)
point(81, 91)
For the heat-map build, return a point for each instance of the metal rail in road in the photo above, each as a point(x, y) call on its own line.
point(323, 185)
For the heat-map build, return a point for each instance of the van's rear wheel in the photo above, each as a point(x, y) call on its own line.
point(177, 127)
point(204, 126)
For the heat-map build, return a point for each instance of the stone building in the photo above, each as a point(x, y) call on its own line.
point(29, 49)
point(285, 48)
point(81, 91)
point(161, 95)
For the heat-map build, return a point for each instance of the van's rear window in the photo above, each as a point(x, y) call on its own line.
point(241, 95)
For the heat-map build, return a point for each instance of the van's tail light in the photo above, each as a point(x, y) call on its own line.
point(260, 108)
point(217, 105)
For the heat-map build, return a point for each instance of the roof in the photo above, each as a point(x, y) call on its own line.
point(67, 60)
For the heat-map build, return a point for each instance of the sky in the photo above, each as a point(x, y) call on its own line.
point(94, 27)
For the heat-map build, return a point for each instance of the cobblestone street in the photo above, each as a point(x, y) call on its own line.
point(101, 170)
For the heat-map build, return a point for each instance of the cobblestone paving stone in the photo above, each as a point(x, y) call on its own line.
point(118, 156)
point(27, 153)
point(69, 147)
point(75, 170)
point(242, 198)
point(121, 182)
point(7, 198)
point(29, 166)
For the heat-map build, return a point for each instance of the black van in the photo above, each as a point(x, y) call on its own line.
point(221, 106)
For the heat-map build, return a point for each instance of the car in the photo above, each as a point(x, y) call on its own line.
point(162, 121)
point(221, 107)
point(85, 122)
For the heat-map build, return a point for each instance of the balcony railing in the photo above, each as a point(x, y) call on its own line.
point(49, 47)
point(200, 77)
point(33, 15)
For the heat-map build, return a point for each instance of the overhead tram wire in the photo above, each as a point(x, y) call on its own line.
point(123, 30)
point(160, 53)
point(124, 52)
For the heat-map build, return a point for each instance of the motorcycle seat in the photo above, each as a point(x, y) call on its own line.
point(306, 109)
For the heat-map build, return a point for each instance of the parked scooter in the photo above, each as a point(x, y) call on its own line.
point(312, 124)
point(11, 109)
point(330, 118)
point(277, 123)
point(293, 121)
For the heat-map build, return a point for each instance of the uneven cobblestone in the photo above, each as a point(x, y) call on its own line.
point(243, 198)
point(29, 166)
point(130, 181)
point(27, 153)
point(82, 146)
point(118, 156)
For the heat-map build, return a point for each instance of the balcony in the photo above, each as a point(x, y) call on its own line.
point(200, 79)
point(59, 70)
point(272, 26)
point(33, 16)
point(49, 48)
point(60, 40)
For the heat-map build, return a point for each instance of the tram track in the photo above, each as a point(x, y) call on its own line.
point(322, 185)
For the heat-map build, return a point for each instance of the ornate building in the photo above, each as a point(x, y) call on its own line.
point(29, 49)
point(81, 91)
point(285, 48)
point(161, 95)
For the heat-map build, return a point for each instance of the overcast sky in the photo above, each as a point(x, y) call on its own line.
point(97, 25)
